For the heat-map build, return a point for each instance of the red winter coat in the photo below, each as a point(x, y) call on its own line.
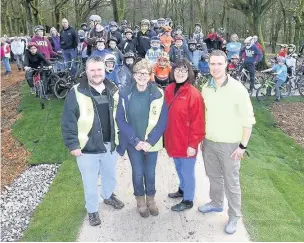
point(186, 120)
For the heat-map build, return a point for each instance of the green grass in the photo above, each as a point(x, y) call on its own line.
point(60, 215)
point(272, 177)
point(272, 181)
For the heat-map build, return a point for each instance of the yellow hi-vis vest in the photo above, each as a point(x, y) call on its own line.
point(86, 116)
point(154, 114)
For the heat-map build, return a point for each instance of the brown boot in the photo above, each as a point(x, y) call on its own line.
point(152, 206)
point(142, 206)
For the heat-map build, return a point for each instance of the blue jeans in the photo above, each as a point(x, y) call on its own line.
point(19, 60)
point(143, 171)
point(90, 166)
point(185, 171)
point(69, 55)
point(6, 64)
point(279, 82)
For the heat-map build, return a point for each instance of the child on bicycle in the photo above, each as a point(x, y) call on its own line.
point(162, 69)
point(33, 59)
point(280, 70)
point(235, 61)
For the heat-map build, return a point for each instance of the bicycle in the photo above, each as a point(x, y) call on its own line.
point(267, 88)
point(38, 83)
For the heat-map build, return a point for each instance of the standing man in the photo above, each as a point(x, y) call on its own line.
point(17, 47)
point(69, 43)
point(88, 128)
point(229, 120)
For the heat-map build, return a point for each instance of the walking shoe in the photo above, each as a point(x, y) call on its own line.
point(210, 207)
point(277, 100)
point(182, 206)
point(114, 201)
point(33, 91)
point(177, 194)
point(94, 219)
point(231, 226)
point(142, 206)
point(152, 206)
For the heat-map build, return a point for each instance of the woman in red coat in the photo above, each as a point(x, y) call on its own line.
point(185, 130)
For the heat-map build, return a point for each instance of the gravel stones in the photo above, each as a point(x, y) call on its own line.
point(19, 200)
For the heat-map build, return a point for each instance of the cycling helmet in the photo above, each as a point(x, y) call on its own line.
point(109, 58)
point(169, 22)
point(112, 38)
point(128, 30)
point(136, 27)
point(95, 18)
point(38, 27)
point(161, 21)
point(198, 24)
point(129, 54)
point(235, 56)
point(153, 21)
point(83, 24)
point(221, 31)
point(145, 22)
point(167, 28)
point(124, 22)
point(255, 38)
point(32, 44)
point(163, 57)
point(281, 59)
point(179, 27)
point(100, 40)
point(81, 34)
point(248, 40)
point(294, 55)
point(192, 42)
point(179, 37)
point(291, 46)
point(155, 39)
point(113, 24)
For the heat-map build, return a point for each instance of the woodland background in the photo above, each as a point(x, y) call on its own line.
point(274, 21)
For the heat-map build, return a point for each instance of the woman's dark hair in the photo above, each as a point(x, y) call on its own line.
point(183, 63)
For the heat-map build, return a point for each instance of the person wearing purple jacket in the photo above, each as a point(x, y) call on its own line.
point(55, 42)
point(44, 45)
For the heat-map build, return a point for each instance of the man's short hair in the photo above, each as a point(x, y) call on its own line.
point(218, 53)
point(94, 59)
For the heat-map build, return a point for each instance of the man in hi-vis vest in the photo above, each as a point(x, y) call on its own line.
point(89, 131)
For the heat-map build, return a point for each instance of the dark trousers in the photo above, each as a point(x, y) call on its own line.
point(30, 81)
point(251, 68)
point(143, 171)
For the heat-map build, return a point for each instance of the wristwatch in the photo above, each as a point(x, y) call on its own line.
point(242, 146)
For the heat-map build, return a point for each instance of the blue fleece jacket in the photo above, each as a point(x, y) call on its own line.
point(233, 48)
point(100, 53)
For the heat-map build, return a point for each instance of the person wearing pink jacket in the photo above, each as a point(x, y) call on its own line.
point(5, 55)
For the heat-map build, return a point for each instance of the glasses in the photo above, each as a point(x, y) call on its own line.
point(142, 74)
point(181, 70)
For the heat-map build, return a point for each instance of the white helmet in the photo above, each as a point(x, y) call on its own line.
point(109, 58)
point(248, 42)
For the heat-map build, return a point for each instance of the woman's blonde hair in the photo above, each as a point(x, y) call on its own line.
point(142, 64)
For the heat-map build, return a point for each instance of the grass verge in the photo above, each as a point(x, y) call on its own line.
point(272, 177)
point(61, 213)
point(272, 181)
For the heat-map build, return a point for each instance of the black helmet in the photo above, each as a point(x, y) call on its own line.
point(198, 24)
point(113, 23)
point(83, 24)
point(179, 27)
point(192, 42)
point(100, 40)
point(112, 38)
point(129, 54)
point(38, 27)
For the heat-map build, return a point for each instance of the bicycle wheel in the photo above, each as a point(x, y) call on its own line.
point(301, 88)
point(285, 89)
point(61, 88)
point(257, 82)
point(261, 93)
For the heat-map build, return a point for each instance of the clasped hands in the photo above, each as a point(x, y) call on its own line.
point(145, 146)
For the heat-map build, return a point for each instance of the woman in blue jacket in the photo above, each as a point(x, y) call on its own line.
point(234, 46)
point(142, 118)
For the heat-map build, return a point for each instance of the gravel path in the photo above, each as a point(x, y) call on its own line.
point(19, 200)
point(191, 225)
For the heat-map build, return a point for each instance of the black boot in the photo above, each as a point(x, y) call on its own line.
point(182, 206)
point(94, 219)
point(177, 194)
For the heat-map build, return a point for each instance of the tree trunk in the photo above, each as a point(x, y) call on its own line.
point(206, 16)
point(29, 22)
